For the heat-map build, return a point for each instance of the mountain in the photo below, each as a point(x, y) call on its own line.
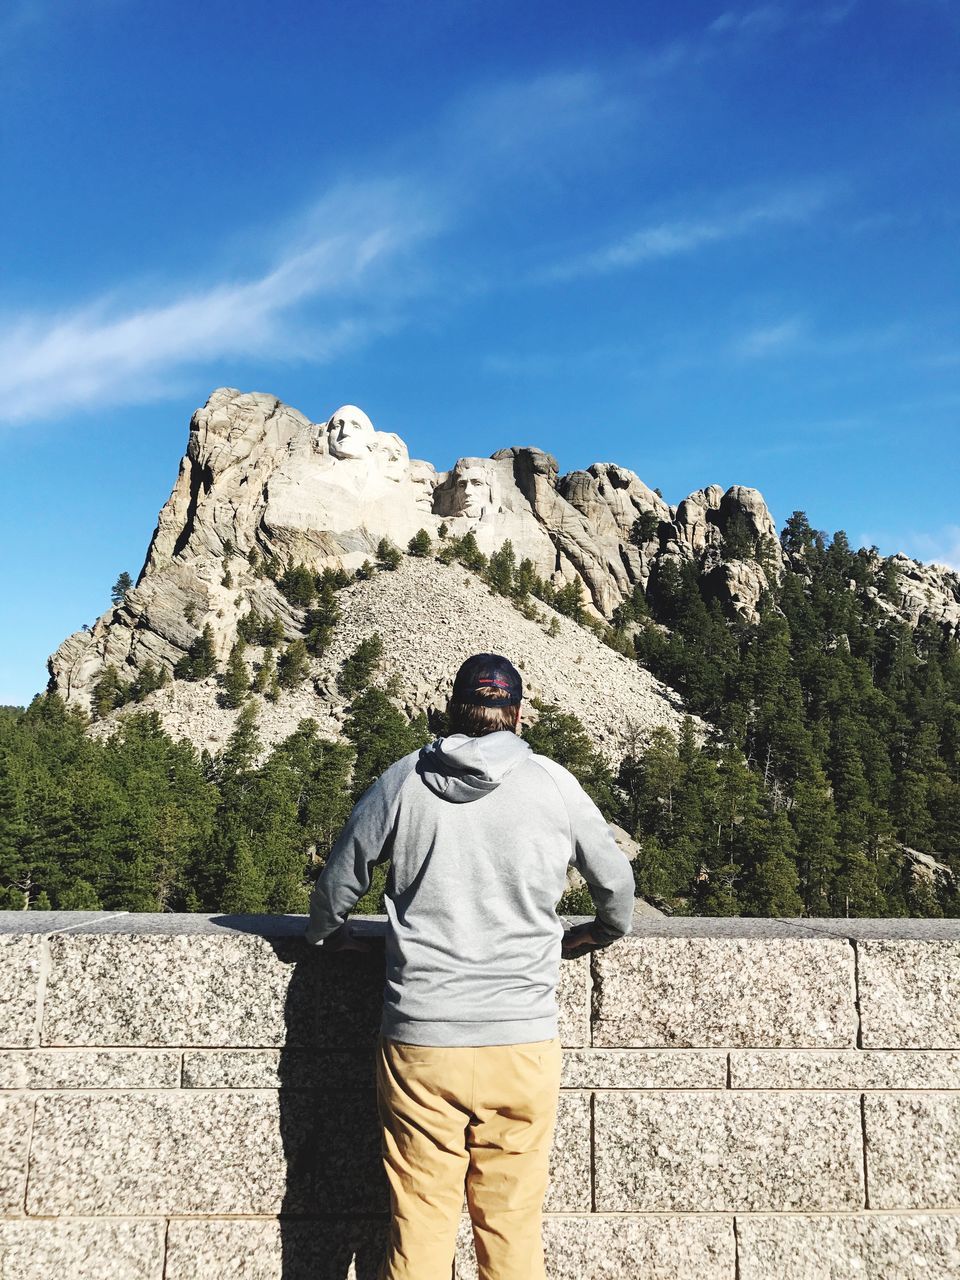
point(262, 484)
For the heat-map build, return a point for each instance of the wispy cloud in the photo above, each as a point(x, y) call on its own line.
point(795, 335)
point(766, 18)
point(115, 349)
point(768, 339)
point(680, 236)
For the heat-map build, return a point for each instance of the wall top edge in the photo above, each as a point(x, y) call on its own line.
point(292, 926)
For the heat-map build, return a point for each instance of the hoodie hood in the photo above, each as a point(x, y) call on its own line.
point(460, 768)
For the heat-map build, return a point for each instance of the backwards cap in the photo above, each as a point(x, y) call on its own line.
point(485, 674)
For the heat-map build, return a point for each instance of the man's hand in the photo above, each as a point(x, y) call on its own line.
point(578, 940)
point(343, 939)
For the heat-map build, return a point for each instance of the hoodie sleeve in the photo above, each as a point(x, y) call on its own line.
point(597, 857)
point(365, 840)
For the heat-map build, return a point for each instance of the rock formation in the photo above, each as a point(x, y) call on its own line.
point(259, 479)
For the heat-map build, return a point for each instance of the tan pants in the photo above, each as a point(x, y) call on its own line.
point(481, 1117)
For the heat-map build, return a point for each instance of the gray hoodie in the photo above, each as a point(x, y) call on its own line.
point(479, 833)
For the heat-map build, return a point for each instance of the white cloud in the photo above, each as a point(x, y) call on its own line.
point(687, 235)
point(769, 339)
point(111, 350)
point(766, 18)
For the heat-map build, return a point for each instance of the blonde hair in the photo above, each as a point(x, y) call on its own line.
point(465, 717)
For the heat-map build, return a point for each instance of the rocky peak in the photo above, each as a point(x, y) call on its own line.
point(259, 478)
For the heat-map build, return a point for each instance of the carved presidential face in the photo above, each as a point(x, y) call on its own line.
point(350, 433)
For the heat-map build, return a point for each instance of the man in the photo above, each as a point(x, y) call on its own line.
point(479, 831)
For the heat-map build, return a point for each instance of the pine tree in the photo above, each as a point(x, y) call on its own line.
point(12, 827)
point(815, 824)
point(298, 585)
point(560, 735)
point(119, 590)
point(468, 552)
point(738, 541)
point(108, 693)
point(358, 668)
point(771, 885)
point(236, 679)
point(420, 544)
point(273, 633)
point(569, 600)
point(644, 528)
point(502, 568)
point(200, 660)
point(149, 678)
point(236, 760)
point(388, 555)
point(525, 579)
point(244, 890)
point(380, 734)
point(265, 672)
point(320, 622)
point(294, 665)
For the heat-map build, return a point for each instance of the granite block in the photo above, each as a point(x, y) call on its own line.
point(89, 1069)
point(692, 991)
point(871, 1246)
point(573, 1001)
point(595, 1248)
point(332, 1249)
point(40, 922)
point(568, 1187)
point(908, 993)
point(844, 1069)
point(191, 1151)
point(913, 1150)
point(20, 960)
point(111, 988)
point(109, 1250)
point(644, 1069)
point(277, 1068)
point(725, 1151)
point(16, 1111)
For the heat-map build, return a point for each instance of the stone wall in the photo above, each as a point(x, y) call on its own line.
point(190, 1098)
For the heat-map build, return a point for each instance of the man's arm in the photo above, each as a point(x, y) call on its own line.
point(364, 841)
point(599, 859)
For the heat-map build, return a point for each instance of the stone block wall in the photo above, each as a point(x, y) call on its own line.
point(191, 1098)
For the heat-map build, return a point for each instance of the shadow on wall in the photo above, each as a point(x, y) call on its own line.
point(334, 1215)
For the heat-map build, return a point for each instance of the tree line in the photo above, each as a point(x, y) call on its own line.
point(835, 743)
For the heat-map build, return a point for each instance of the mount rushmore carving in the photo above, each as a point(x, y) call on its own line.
point(259, 475)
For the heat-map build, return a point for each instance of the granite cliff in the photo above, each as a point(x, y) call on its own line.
point(259, 479)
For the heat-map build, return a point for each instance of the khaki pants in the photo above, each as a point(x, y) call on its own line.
point(481, 1117)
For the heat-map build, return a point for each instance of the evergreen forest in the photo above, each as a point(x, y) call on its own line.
point(829, 784)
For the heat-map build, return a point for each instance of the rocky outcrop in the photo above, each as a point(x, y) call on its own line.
point(260, 479)
point(431, 616)
point(924, 593)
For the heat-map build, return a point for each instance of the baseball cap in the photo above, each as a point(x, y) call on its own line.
point(483, 673)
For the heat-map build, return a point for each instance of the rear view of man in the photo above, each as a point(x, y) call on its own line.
point(479, 831)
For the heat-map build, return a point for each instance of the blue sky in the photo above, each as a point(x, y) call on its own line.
point(714, 243)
